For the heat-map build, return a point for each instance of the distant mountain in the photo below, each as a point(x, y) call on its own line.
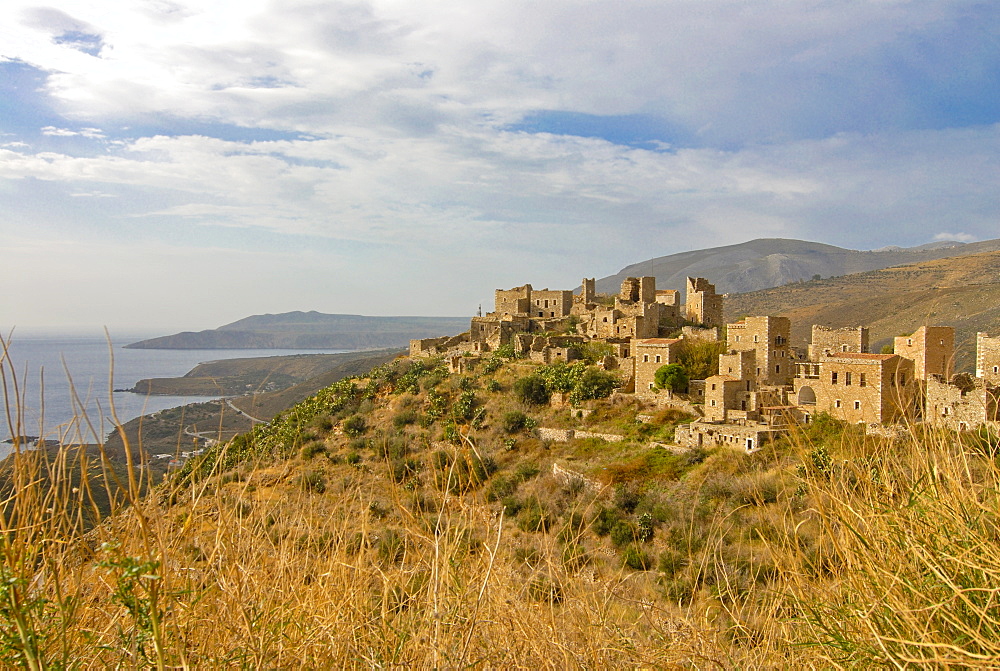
point(963, 292)
point(311, 330)
point(773, 262)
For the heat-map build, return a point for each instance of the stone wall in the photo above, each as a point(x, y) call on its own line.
point(707, 434)
point(826, 340)
point(649, 355)
point(703, 305)
point(988, 358)
point(963, 404)
point(932, 350)
point(768, 336)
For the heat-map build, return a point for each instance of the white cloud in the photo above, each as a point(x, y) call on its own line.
point(781, 118)
point(957, 237)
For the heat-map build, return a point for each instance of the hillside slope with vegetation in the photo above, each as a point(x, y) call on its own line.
point(412, 517)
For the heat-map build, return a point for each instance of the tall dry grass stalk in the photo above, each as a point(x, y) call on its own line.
point(909, 570)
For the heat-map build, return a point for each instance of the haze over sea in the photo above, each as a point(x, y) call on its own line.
point(39, 362)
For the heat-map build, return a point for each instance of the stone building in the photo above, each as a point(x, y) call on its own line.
point(650, 354)
point(988, 358)
point(965, 403)
point(728, 398)
point(703, 305)
point(826, 341)
point(768, 337)
point(858, 387)
point(932, 350)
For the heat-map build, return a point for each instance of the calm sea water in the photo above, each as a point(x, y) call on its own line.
point(52, 367)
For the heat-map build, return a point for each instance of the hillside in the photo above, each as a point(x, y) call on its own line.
point(310, 330)
point(772, 262)
point(413, 518)
point(231, 377)
point(963, 292)
point(186, 427)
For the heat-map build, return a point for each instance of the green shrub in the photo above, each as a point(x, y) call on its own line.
point(405, 418)
point(637, 559)
point(355, 425)
point(531, 390)
point(623, 533)
point(310, 450)
point(593, 384)
point(514, 421)
point(673, 376)
point(391, 547)
point(313, 481)
point(604, 520)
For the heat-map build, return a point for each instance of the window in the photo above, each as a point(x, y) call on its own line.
point(540, 314)
point(861, 380)
point(847, 377)
point(756, 338)
point(777, 368)
point(645, 358)
point(737, 338)
point(833, 377)
point(836, 403)
point(713, 389)
point(843, 348)
point(909, 341)
point(650, 385)
point(857, 405)
point(546, 302)
point(730, 369)
point(657, 358)
point(996, 369)
point(713, 402)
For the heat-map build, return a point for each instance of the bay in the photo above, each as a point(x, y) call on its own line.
point(61, 386)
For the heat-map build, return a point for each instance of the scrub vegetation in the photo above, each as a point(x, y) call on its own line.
point(414, 517)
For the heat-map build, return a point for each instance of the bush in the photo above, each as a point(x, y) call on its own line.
point(593, 384)
point(672, 377)
point(310, 450)
point(514, 421)
point(404, 418)
point(533, 517)
point(637, 559)
point(355, 425)
point(604, 520)
point(531, 390)
point(623, 533)
point(313, 481)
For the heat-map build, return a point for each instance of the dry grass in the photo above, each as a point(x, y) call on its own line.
point(827, 551)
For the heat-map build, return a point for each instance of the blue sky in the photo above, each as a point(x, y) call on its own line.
point(178, 165)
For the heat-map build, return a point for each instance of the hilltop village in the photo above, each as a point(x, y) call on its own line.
point(763, 384)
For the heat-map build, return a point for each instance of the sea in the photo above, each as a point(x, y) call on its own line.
point(60, 386)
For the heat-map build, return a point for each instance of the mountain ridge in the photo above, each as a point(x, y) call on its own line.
point(764, 263)
point(310, 330)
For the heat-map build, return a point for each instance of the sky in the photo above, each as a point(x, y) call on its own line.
point(170, 165)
